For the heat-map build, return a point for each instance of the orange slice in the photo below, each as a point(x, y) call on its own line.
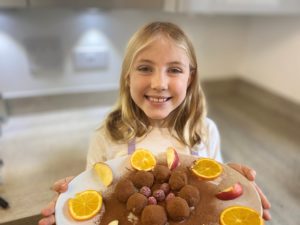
point(85, 205)
point(207, 169)
point(104, 173)
point(142, 159)
point(240, 215)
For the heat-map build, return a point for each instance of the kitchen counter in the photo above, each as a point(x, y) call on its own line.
point(38, 150)
point(32, 220)
point(26, 199)
point(28, 191)
point(27, 195)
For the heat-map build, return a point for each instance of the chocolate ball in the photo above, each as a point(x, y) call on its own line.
point(191, 194)
point(161, 173)
point(154, 215)
point(136, 203)
point(177, 180)
point(124, 189)
point(142, 178)
point(177, 209)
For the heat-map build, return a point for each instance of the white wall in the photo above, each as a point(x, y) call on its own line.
point(263, 50)
point(215, 38)
point(272, 55)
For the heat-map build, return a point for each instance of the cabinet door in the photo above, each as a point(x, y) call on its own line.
point(69, 3)
point(238, 6)
point(247, 6)
point(110, 4)
point(12, 3)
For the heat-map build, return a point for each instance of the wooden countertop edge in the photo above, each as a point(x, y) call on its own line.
point(24, 221)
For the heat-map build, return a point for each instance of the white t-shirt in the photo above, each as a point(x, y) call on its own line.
point(158, 140)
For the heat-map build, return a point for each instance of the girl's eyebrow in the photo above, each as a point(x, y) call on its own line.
point(169, 63)
point(177, 63)
point(145, 61)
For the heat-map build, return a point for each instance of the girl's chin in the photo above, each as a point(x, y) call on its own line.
point(157, 120)
point(157, 117)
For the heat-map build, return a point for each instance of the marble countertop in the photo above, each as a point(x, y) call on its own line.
point(30, 193)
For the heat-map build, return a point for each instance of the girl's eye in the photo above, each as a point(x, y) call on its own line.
point(145, 69)
point(175, 70)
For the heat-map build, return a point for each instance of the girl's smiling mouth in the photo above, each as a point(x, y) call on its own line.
point(157, 99)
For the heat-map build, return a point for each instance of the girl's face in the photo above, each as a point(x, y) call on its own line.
point(159, 79)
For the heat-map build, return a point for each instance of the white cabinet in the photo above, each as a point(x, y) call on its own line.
point(234, 6)
point(109, 4)
point(12, 3)
point(63, 3)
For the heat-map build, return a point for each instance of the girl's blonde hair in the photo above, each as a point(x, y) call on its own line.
point(128, 121)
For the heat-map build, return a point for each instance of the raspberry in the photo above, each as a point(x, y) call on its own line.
point(145, 191)
point(165, 187)
point(169, 196)
point(159, 195)
point(152, 201)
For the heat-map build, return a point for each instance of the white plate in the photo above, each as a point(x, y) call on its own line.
point(87, 180)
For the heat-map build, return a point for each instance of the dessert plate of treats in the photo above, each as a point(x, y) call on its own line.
point(165, 189)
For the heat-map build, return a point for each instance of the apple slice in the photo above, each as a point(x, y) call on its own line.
point(114, 222)
point(230, 193)
point(104, 172)
point(172, 158)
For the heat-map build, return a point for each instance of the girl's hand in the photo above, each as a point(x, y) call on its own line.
point(250, 175)
point(59, 186)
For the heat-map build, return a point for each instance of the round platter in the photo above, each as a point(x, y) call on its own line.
point(209, 204)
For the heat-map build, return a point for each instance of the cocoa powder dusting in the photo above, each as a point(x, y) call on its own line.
point(204, 212)
point(207, 210)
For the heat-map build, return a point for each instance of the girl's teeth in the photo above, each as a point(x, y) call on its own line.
point(157, 99)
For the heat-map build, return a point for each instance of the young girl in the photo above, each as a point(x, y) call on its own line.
point(161, 104)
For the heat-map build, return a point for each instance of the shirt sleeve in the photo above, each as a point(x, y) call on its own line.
point(97, 149)
point(214, 143)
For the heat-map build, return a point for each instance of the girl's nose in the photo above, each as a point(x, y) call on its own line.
point(159, 81)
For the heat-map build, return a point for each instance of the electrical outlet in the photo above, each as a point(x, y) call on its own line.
point(90, 58)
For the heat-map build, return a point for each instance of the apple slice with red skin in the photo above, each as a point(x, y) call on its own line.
point(230, 193)
point(172, 158)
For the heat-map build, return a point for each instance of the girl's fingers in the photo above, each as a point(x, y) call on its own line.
point(244, 170)
point(48, 212)
point(264, 201)
point(47, 220)
point(62, 184)
point(266, 215)
point(250, 175)
point(58, 185)
point(50, 208)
